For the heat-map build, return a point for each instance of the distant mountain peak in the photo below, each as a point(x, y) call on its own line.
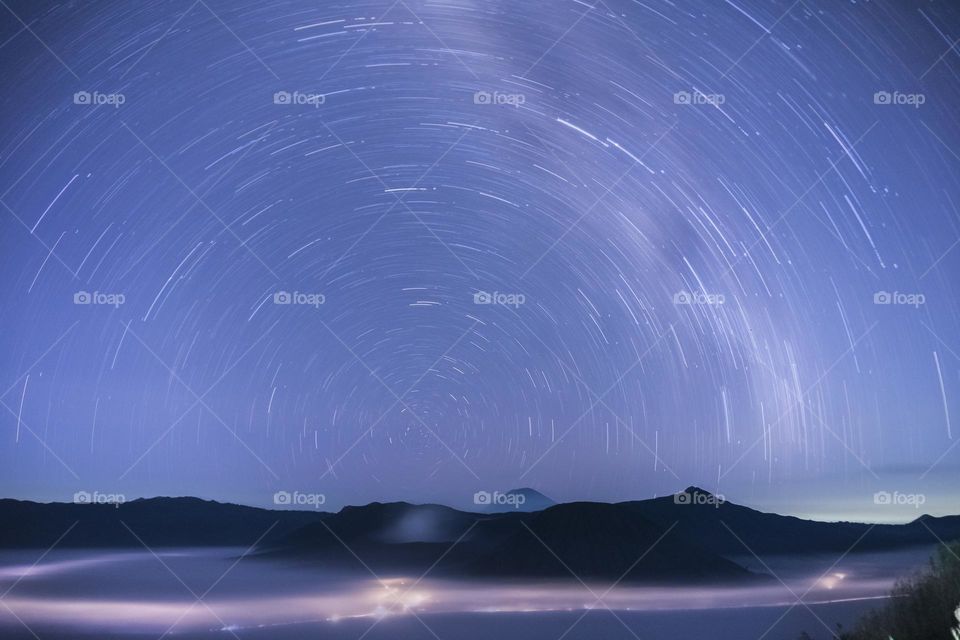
point(523, 499)
point(527, 491)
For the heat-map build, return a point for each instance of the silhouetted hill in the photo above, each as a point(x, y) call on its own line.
point(662, 539)
point(717, 525)
point(159, 522)
point(378, 523)
point(599, 541)
point(591, 540)
point(524, 499)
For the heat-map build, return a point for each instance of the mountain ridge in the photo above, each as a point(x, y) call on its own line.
point(696, 535)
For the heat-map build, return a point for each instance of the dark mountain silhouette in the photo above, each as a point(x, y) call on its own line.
point(583, 539)
point(590, 540)
point(524, 499)
point(717, 525)
point(159, 522)
point(696, 538)
point(594, 540)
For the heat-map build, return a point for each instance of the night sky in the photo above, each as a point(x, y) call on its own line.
point(413, 250)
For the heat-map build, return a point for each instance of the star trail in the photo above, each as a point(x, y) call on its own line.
point(416, 249)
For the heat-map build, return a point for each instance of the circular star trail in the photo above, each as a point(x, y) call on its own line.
point(412, 250)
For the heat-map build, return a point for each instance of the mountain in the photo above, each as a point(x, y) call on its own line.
point(730, 529)
point(524, 499)
point(590, 540)
point(692, 537)
point(158, 522)
point(393, 523)
point(583, 539)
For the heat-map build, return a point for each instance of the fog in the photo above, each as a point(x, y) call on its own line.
point(216, 592)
